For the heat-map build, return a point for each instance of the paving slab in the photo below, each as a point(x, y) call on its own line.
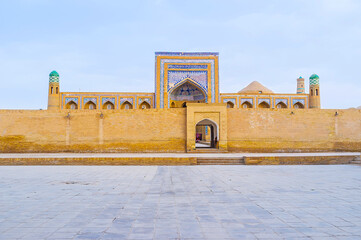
point(180, 202)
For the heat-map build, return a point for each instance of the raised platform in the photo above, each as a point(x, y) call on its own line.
point(179, 158)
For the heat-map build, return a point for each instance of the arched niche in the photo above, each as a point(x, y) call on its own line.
point(71, 105)
point(246, 104)
point(108, 105)
point(90, 105)
point(126, 105)
point(230, 104)
point(187, 91)
point(298, 105)
point(281, 105)
point(263, 105)
point(144, 105)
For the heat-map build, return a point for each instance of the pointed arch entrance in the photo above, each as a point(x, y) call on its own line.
point(185, 92)
point(207, 133)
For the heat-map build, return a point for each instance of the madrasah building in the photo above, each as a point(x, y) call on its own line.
point(185, 113)
point(182, 78)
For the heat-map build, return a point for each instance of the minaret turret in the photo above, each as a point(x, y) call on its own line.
point(314, 94)
point(300, 85)
point(54, 91)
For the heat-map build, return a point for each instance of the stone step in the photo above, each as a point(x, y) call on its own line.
point(220, 161)
point(356, 160)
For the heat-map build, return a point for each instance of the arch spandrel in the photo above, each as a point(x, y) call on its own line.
point(186, 91)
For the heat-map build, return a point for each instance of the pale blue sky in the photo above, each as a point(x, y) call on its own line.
point(109, 45)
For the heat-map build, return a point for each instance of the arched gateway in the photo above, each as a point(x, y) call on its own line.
point(206, 127)
point(206, 134)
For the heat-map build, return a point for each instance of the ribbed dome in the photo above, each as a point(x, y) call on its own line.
point(255, 88)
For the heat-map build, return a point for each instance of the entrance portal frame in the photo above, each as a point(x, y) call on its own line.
point(215, 112)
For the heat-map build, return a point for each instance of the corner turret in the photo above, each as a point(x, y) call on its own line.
point(54, 91)
point(314, 93)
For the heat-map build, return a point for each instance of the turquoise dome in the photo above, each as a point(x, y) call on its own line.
point(54, 77)
point(54, 73)
point(314, 77)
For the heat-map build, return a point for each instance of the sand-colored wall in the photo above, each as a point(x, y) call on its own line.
point(165, 130)
point(270, 130)
point(134, 130)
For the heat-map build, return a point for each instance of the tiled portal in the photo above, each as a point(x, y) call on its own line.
point(180, 202)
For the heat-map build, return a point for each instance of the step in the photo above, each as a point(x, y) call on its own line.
point(219, 161)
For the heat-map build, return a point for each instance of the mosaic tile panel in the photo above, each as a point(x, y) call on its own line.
point(178, 66)
point(250, 100)
point(267, 100)
point(314, 82)
point(140, 100)
point(232, 100)
point(93, 100)
point(294, 101)
point(69, 99)
point(285, 101)
point(187, 92)
point(54, 79)
point(163, 61)
point(112, 100)
point(200, 77)
point(186, 53)
point(122, 100)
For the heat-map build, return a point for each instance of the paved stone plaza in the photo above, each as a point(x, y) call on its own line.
point(182, 202)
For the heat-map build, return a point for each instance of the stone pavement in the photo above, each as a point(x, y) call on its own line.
point(180, 202)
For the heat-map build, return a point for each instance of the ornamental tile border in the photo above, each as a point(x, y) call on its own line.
point(90, 99)
point(161, 77)
point(182, 66)
point(267, 100)
point(250, 100)
point(232, 100)
point(294, 101)
point(140, 100)
point(285, 101)
point(108, 99)
point(74, 99)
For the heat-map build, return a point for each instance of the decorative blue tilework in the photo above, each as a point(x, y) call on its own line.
point(285, 101)
point(250, 100)
point(266, 100)
point(200, 77)
point(93, 100)
point(69, 99)
point(294, 101)
point(163, 61)
point(232, 100)
point(181, 66)
point(140, 100)
point(122, 100)
point(186, 53)
point(112, 100)
point(187, 92)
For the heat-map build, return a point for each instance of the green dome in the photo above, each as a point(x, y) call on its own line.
point(54, 77)
point(54, 73)
point(314, 77)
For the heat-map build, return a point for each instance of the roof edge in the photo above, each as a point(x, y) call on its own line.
point(186, 53)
